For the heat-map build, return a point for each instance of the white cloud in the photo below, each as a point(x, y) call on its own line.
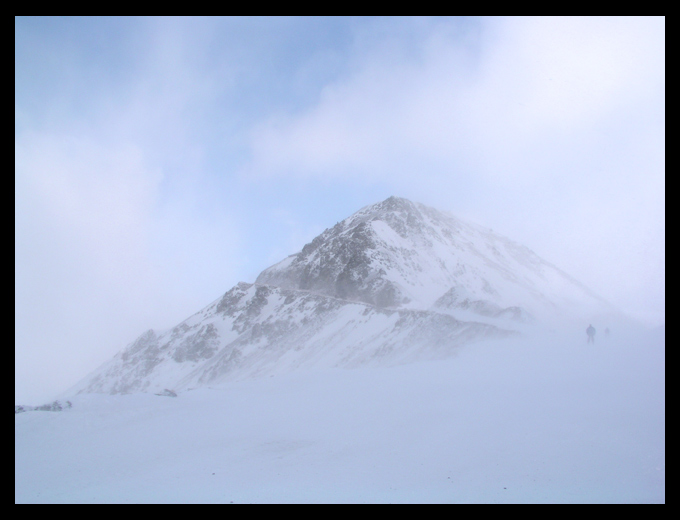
point(101, 254)
point(528, 79)
point(129, 214)
point(551, 130)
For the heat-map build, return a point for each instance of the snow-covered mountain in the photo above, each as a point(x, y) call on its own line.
point(395, 282)
point(403, 254)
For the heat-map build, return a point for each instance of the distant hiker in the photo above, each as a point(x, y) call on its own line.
point(591, 334)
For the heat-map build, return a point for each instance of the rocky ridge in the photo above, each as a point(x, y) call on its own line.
point(395, 282)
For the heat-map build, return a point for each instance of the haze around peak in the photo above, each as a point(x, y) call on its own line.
point(158, 162)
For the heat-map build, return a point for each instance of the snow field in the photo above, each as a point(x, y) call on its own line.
point(551, 419)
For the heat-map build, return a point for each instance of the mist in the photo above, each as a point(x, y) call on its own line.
point(158, 162)
point(546, 418)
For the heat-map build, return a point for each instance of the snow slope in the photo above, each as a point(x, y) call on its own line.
point(399, 253)
point(395, 282)
point(549, 419)
point(260, 329)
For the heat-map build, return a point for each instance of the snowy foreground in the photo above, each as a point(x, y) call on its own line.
point(547, 420)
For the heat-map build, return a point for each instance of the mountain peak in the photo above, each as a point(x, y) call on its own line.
point(370, 256)
point(403, 254)
point(394, 203)
point(394, 281)
point(341, 261)
point(400, 214)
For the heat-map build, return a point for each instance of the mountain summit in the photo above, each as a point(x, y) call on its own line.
point(402, 254)
point(394, 282)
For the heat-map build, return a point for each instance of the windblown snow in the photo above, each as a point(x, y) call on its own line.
point(472, 382)
point(542, 419)
point(393, 283)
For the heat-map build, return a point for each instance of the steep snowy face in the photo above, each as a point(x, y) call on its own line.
point(260, 329)
point(395, 281)
point(403, 254)
point(367, 257)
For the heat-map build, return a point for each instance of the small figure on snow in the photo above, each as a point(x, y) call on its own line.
point(591, 334)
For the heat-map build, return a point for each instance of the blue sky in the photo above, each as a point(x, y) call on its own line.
point(159, 161)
